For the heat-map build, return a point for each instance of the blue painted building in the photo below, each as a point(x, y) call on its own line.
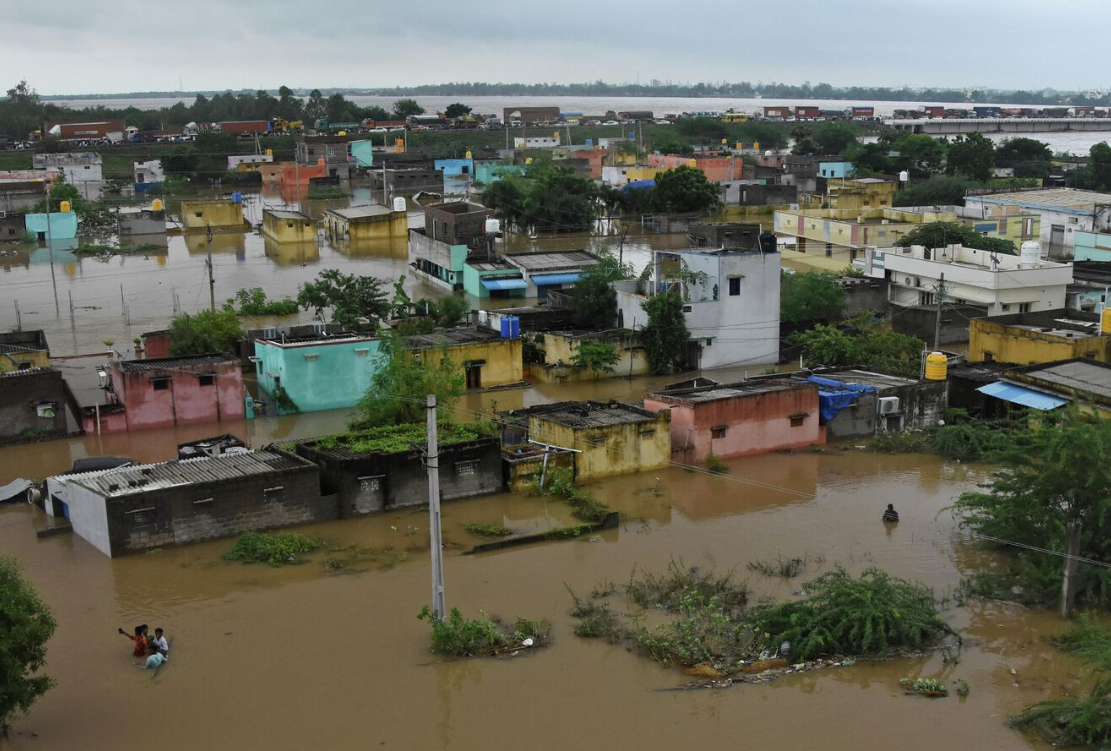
point(842, 170)
point(457, 174)
point(317, 372)
point(362, 153)
point(62, 225)
point(1092, 246)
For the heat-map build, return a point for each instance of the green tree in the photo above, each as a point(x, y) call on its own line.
point(26, 625)
point(941, 234)
point(376, 113)
point(206, 332)
point(254, 302)
point(457, 109)
point(1026, 156)
point(803, 136)
point(935, 191)
point(349, 297)
point(921, 156)
point(1051, 482)
point(400, 387)
point(1097, 175)
point(595, 297)
point(685, 189)
point(861, 344)
point(549, 197)
point(402, 108)
point(972, 155)
point(315, 109)
point(597, 357)
point(181, 161)
point(665, 143)
point(834, 138)
point(665, 337)
point(806, 299)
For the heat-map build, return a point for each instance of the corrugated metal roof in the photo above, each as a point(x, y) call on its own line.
point(149, 477)
point(1010, 392)
point(170, 363)
point(569, 278)
point(1059, 199)
point(495, 284)
point(552, 261)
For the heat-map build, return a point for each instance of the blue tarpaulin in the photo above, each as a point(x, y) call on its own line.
point(638, 185)
point(496, 284)
point(834, 396)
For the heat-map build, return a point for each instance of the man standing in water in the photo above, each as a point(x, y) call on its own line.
point(891, 515)
point(159, 642)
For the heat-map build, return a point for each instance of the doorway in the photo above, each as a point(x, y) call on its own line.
point(474, 375)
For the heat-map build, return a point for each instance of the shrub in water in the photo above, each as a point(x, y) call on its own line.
point(276, 549)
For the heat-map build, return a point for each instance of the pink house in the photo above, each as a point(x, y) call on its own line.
point(166, 391)
point(716, 168)
point(594, 159)
point(751, 417)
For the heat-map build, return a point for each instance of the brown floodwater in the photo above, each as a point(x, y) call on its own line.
point(305, 656)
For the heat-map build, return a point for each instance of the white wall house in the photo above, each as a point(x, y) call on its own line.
point(1063, 211)
point(1000, 282)
point(149, 173)
point(731, 303)
point(536, 142)
point(83, 170)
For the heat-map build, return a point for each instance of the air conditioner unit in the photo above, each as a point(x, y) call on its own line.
point(3, 215)
point(889, 405)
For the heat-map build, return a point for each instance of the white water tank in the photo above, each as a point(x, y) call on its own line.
point(493, 226)
point(904, 176)
point(1030, 253)
point(399, 204)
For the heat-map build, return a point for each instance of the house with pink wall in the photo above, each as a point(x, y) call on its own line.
point(165, 391)
point(751, 417)
point(717, 168)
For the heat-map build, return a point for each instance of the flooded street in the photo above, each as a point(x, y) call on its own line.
point(307, 657)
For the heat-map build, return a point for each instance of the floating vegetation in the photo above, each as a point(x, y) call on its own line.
point(667, 590)
point(457, 636)
point(561, 484)
point(788, 568)
point(925, 687)
point(962, 687)
point(481, 529)
point(276, 549)
point(717, 466)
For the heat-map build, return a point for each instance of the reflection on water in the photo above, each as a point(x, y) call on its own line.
point(222, 242)
point(290, 253)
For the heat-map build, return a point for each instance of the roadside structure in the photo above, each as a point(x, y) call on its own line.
point(855, 403)
point(453, 233)
point(148, 175)
point(559, 348)
point(332, 149)
point(131, 509)
point(750, 417)
point(83, 170)
point(545, 271)
point(131, 221)
point(52, 227)
point(166, 391)
point(612, 439)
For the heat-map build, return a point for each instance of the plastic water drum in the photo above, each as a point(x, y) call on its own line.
point(937, 366)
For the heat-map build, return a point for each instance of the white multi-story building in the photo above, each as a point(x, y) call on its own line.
point(1064, 212)
point(83, 170)
point(999, 282)
point(730, 303)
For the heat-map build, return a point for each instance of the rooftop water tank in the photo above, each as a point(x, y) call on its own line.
point(1030, 253)
point(399, 204)
point(493, 226)
point(156, 204)
point(64, 207)
point(237, 197)
point(904, 176)
point(270, 152)
point(937, 366)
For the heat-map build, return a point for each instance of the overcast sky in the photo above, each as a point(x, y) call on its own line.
point(100, 46)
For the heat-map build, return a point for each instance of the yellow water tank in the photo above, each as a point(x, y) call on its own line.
point(468, 155)
point(270, 152)
point(342, 133)
point(1105, 321)
point(156, 204)
point(937, 366)
point(65, 207)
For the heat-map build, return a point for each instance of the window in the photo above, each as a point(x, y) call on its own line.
point(274, 494)
point(734, 286)
point(989, 356)
point(160, 384)
point(1024, 307)
point(797, 420)
point(206, 379)
point(718, 431)
point(199, 214)
point(466, 468)
point(647, 433)
point(370, 483)
point(141, 515)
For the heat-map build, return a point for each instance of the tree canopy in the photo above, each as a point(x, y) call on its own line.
point(596, 357)
point(206, 332)
point(402, 108)
point(595, 297)
point(684, 189)
point(1026, 156)
point(549, 197)
point(457, 109)
point(665, 336)
point(349, 297)
point(806, 299)
point(861, 344)
point(26, 625)
point(971, 155)
point(400, 387)
point(941, 234)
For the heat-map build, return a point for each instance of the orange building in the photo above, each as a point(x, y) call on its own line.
point(716, 168)
point(594, 157)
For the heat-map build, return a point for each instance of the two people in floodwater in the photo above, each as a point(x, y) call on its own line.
point(155, 648)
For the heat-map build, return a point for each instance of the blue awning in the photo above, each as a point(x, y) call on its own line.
point(1009, 392)
point(546, 279)
point(496, 284)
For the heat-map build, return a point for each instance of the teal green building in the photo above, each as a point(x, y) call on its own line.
point(488, 171)
point(493, 278)
point(317, 373)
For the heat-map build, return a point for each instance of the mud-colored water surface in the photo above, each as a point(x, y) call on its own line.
point(310, 657)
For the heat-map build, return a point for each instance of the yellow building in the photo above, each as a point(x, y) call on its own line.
point(486, 358)
point(372, 222)
point(805, 263)
point(218, 213)
point(23, 349)
point(857, 193)
point(1035, 338)
point(612, 439)
point(287, 226)
point(845, 232)
point(560, 347)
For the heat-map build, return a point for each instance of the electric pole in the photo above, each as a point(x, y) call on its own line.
point(940, 302)
point(435, 534)
point(211, 278)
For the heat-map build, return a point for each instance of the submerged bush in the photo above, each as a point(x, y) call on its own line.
point(275, 549)
point(457, 636)
point(483, 529)
point(561, 484)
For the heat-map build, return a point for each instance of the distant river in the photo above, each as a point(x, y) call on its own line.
point(1071, 142)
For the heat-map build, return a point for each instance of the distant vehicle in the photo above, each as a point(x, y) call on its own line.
point(378, 130)
point(661, 122)
point(592, 123)
point(611, 122)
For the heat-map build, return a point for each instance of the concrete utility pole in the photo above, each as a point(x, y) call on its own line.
point(940, 302)
point(18, 318)
point(435, 534)
point(208, 263)
point(1068, 581)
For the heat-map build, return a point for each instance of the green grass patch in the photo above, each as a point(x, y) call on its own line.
point(456, 636)
point(390, 439)
point(276, 549)
point(484, 529)
point(325, 193)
